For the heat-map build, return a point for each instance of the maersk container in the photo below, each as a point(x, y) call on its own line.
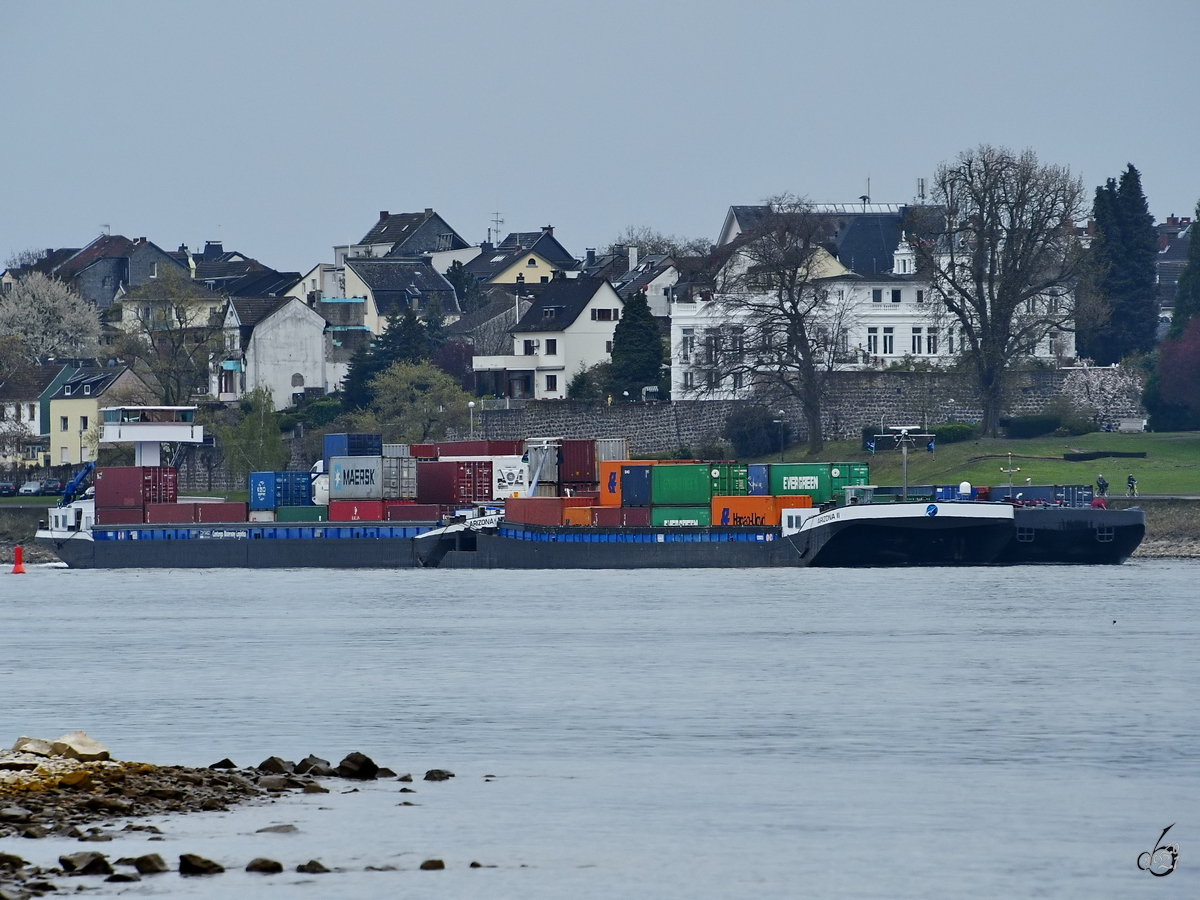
point(635, 485)
point(758, 480)
point(355, 478)
point(806, 479)
point(302, 514)
point(680, 516)
point(399, 478)
point(688, 485)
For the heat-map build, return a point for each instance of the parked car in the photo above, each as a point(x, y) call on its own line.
point(52, 487)
point(31, 489)
point(8, 489)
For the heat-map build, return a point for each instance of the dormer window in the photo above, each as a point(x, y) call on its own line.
point(66, 390)
point(87, 390)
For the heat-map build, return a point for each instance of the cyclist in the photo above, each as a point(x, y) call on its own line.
point(1101, 486)
point(1132, 482)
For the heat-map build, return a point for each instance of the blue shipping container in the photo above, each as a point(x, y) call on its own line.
point(635, 485)
point(271, 490)
point(758, 480)
point(352, 445)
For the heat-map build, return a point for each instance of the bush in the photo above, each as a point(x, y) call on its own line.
point(752, 431)
point(1021, 427)
point(952, 432)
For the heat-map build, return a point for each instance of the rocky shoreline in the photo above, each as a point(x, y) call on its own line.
point(71, 788)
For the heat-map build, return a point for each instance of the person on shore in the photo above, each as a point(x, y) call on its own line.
point(1132, 482)
point(1099, 503)
point(1101, 486)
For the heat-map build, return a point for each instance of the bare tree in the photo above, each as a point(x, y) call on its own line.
point(49, 319)
point(999, 248)
point(22, 258)
point(650, 241)
point(167, 329)
point(784, 324)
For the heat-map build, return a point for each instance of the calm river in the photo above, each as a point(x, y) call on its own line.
point(704, 734)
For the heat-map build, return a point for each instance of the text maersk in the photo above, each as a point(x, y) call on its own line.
point(360, 477)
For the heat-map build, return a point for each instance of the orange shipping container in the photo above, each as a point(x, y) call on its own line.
point(610, 481)
point(756, 511)
point(543, 510)
point(577, 515)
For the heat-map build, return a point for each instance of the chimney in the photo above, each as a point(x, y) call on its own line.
point(559, 275)
point(1172, 219)
point(486, 247)
point(429, 210)
point(383, 214)
point(591, 256)
point(548, 229)
point(632, 258)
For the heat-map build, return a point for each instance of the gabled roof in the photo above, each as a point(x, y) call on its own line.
point(559, 304)
point(47, 264)
point(252, 310)
point(98, 379)
point(267, 283)
point(398, 230)
point(501, 302)
point(106, 246)
point(394, 283)
point(543, 242)
point(28, 382)
point(640, 276)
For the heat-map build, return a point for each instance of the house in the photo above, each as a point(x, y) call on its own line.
point(112, 264)
point(488, 330)
point(75, 409)
point(523, 257)
point(45, 263)
point(404, 236)
point(567, 328)
point(234, 274)
point(1174, 236)
point(23, 415)
point(271, 342)
point(394, 285)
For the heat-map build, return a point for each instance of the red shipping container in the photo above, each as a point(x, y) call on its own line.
point(541, 510)
point(606, 516)
point(635, 516)
point(129, 486)
point(578, 461)
point(120, 515)
point(464, 481)
point(423, 451)
point(462, 448)
point(356, 511)
point(221, 512)
point(411, 512)
point(170, 513)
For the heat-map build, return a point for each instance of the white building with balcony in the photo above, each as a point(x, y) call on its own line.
point(569, 327)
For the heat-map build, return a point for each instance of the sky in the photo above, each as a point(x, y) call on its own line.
point(283, 127)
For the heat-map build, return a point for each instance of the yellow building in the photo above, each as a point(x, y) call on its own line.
point(533, 257)
point(75, 410)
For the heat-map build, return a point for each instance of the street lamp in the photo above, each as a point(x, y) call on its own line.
point(471, 413)
point(81, 446)
point(779, 422)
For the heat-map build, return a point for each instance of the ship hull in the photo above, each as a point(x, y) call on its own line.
point(1050, 535)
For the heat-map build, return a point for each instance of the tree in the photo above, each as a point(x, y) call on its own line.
point(1122, 262)
point(405, 339)
point(754, 431)
point(49, 319)
point(169, 328)
point(253, 443)
point(1187, 291)
point(21, 259)
point(1102, 392)
point(471, 295)
point(784, 332)
point(419, 401)
point(651, 242)
point(591, 383)
point(637, 350)
point(1000, 252)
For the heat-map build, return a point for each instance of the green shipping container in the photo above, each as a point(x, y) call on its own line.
point(843, 475)
point(681, 516)
point(682, 485)
point(302, 514)
point(801, 479)
point(729, 480)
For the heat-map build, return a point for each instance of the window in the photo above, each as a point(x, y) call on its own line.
point(950, 342)
point(608, 346)
point(896, 295)
point(889, 346)
point(65, 455)
point(552, 347)
point(689, 379)
point(737, 381)
point(62, 423)
point(877, 295)
point(32, 412)
point(83, 423)
point(920, 296)
point(531, 263)
point(873, 341)
point(602, 315)
point(153, 270)
point(87, 390)
point(916, 340)
point(687, 345)
point(83, 454)
point(931, 341)
point(530, 348)
point(712, 380)
point(552, 382)
point(66, 390)
point(548, 313)
point(545, 279)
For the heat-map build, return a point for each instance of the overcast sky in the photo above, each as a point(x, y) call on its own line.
point(283, 128)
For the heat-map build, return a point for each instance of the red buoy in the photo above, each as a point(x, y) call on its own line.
point(18, 561)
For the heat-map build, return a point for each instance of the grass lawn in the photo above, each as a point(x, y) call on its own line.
point(1171, 466)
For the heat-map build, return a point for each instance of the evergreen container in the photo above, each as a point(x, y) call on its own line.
point(684, 485)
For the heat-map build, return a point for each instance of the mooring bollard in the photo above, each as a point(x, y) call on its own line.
point(18, 561)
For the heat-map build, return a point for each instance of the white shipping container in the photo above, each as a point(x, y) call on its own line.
point(547, 456)
point(399, 478)
point(510, 474)
point(356, 478)
point(609, 449)
point(262, 515)
point(401, 450)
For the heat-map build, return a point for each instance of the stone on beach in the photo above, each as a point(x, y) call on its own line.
point(151, 864)
point(15, 814)
point(438, 775)
point(274, 782)
point(77, 745)
point(404, 778)
point(11, 861)
point(191, 864)
point(432, 865)
point(226, 763)
point(274, 765)
point(124, 876)
point(309, 762)
point(265, 866)
point(312, 867)
point(33, 745)
point(89, 863)
point(311, 787)
point(358, 765)
point(278, 829)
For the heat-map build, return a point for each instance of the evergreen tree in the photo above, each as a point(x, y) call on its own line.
point(1122, 259)
point(404, 340)
point(1187, 292)
point(637, 353)
point(471, 295)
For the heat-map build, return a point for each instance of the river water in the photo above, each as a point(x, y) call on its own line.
point(1019, 732)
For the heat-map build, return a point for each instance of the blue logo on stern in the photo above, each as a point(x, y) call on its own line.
point(931, 509)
